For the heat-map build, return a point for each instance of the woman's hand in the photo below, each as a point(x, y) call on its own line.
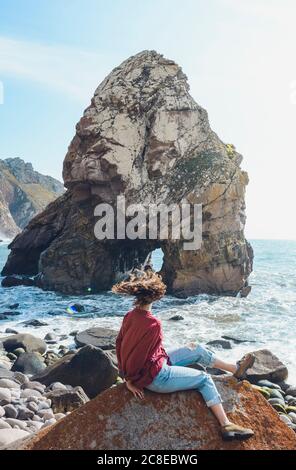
point(137, 392)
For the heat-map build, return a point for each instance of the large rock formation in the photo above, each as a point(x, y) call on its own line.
point(115, 420)
point(143, 136)
point(23, 194)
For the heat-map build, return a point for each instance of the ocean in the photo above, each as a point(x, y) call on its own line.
point(265, 319)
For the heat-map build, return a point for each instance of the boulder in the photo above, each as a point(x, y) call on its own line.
point(29, 363)
point(26, 341)
point(144, 137)
point(267, 366)
point(102, 338)
point(128, 423)
point(35, 322)
point(13, 281)
point(90, 368)
point(63, 401)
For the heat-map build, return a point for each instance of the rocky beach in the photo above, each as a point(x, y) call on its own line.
point(145, 138)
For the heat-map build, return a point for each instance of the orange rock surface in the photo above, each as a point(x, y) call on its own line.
point(117, 420)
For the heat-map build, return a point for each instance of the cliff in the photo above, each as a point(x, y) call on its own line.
point(143, 136)
point(23, 194)
point(116, 420)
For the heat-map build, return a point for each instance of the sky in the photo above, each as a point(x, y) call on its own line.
point(239, 56)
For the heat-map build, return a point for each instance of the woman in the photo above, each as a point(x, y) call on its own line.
point(144, 363)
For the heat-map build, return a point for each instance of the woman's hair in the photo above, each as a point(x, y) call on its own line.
point(145, 286)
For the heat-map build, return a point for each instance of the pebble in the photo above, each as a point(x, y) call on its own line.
point(59, 416)
point(18, 351)
point(31, 405)
point(46, 414)
point(5, 396)
point(11, 356)
point(291, 391)
point(49, 422)
point(43, 405)
point(34, 386)
point(275, 393)
point(8, 436)
point(268, 384)
point(4, 424)
point(7, 383)
point(291, 400)
point(10, 411)
point(11, 331)
point(37, 418)
point(276, 401)
point(34, 425)
point(24, 413)
point(285, 419)
point(50, 337)
point(293, 417)
point(2, 411)
point(28, 393)
point(16, 422)
point(5, 365)
point(21, 378)
point(58, 386)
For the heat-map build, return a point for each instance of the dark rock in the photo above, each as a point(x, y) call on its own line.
point(50, 337)
point(26, 341)
point(11, 356)
point(63, 401)
point(11, 314)
point(24, 413)
point(284, 386)
point(220, 343)
point(291, 391)
point(29, 363)
point(18, 351)
point(102, 338)
point(20, 378)
point(237, 340)
point(34, 323)
point(10, 411)
point(14, 306)
point(267, 366)
point(12, 281)
point(11, 331)
point(74, 333)
point(244, 292)
point(176, 318)
point(267, 383)
point(90, 368)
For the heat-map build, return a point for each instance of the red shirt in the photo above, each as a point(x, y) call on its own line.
point(139, 348)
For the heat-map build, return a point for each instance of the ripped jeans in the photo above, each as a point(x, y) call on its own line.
point(172, 378)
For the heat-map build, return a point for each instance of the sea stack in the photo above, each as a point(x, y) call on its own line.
point(143, 136)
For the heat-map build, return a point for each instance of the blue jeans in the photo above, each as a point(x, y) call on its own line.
point(172, 378)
